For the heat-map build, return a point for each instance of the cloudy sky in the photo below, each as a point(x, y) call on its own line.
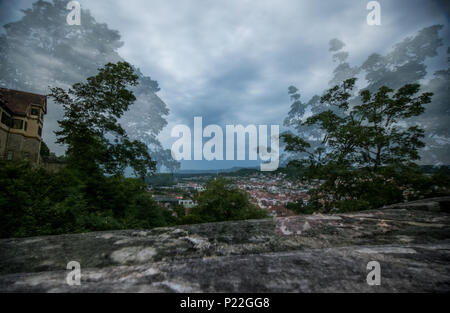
point(231, 61)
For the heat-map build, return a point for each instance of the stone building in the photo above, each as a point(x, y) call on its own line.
point(22, 119)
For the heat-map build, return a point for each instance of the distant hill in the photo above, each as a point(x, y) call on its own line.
point(237, 171)
point(226, 170)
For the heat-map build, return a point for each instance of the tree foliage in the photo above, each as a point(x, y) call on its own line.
point(90, 128)
point(404, 64)
point(367, 135)
point(223, 202)
point(365, 156)
point(41, 49)
point(90, 192)
point(34, 202)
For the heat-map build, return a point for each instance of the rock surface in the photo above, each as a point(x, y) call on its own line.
point(309, 253)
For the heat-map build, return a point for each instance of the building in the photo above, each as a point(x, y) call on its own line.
point(186, 203)
point(168, 201)
point(165, 201)
point(22, 119)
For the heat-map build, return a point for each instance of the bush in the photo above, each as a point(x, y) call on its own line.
point(301, 208)
point(354, 189)
point(351, 205)
point(222, 202)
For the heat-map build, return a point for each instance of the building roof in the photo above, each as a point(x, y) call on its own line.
point(18, 101)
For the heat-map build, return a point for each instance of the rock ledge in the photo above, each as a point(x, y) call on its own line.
point(308, 253)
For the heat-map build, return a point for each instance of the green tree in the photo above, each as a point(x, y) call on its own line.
point(405, 63)
point(222, 202)
point(96, 141)
point(45, 151)
point(364, 151)
point(90, 193)
point(41, 49)
point(35, 202)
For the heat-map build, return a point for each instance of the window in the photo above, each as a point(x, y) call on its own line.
point(40, 131)
point(10, 156)
point(6, 119)
point(34, 111)
point(26, 155)
point(26, 126)
point(17, 124)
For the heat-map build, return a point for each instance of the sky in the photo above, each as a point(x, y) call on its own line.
point(231, 61)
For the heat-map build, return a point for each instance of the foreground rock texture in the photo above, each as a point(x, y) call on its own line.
point(310, 253)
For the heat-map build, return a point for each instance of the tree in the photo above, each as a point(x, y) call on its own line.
point(45, 151)
point(91, 192)
point(222, 202)
point(361, 144)
point(96, 142)
point(42, 50)
point(35, 202)
point(404, 64)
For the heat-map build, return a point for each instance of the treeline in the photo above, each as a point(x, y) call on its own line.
point(35, 202)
